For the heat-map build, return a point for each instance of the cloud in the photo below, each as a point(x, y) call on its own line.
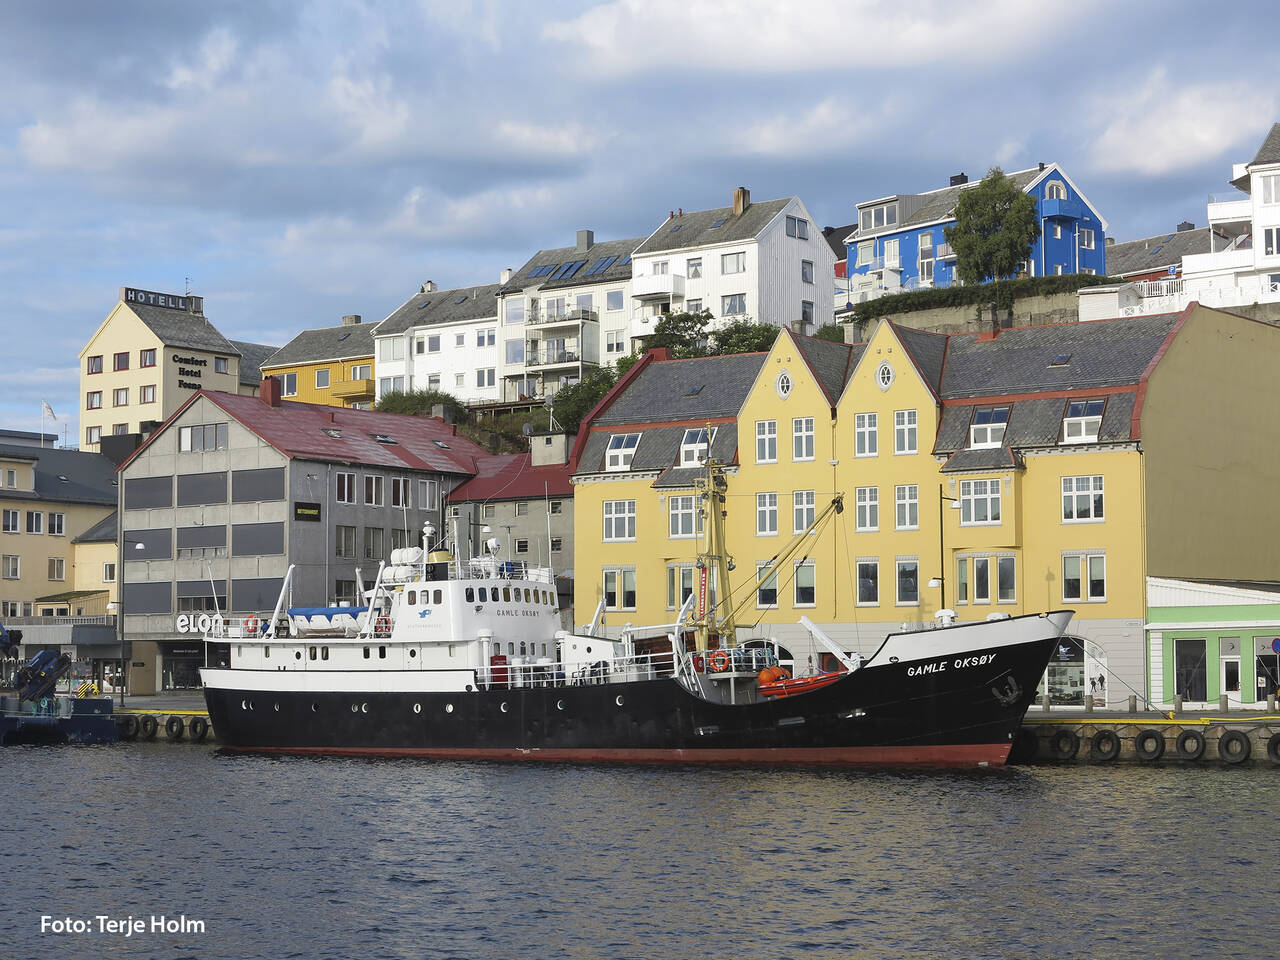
point(831, 126)
point(764, 36)
point(215, 56)
point(1159, 127)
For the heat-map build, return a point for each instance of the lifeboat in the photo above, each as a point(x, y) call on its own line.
point(789, 686)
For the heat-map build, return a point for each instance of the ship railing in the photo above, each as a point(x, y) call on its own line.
point(490, 568)
point(546, 672)
point(734, 660)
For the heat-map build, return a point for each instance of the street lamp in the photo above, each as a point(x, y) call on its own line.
point(940, 581)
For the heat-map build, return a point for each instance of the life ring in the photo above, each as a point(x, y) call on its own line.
point(1149, 745)
point(1105, 745)
point(719, 660)
point(1025, 746)
point(198, 727)
point(1234, 746)
point(1190, 745)
point(382, 626)
point(251, 626)
point(1064, 744)
point(1273, 748)
point(147, 727)
point(127, 726)
point(174, 728)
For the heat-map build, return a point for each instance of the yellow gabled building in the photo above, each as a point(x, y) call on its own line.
point(1010, 472)
point(330, 366)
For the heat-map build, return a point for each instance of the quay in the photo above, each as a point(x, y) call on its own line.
point(174, 717)
point(1147, 737)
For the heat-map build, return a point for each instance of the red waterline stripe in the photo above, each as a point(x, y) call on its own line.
point(950, 755)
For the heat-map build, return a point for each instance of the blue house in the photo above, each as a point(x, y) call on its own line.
point(899, 243)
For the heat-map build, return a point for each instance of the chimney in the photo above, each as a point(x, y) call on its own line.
point(1186, 225)
point(1041, 166)
point(586, 239)
point(741, 200)
point(958, 179)
point(269, 391)
point(428, 287)
point(1111, 241)
point(658, 353)
point(351, 319)
point(505, 276)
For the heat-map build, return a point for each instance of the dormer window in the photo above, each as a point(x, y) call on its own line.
point(694, 447)
point(1082, 421)
point(884, 215)
point(987, 429)
point(622, 447)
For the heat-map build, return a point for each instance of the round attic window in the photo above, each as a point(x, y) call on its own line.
point(884, 376)
point(784, 385)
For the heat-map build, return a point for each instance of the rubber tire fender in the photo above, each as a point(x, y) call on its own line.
point(1065, 744)
point(174, 727)
point(127, 726)
point(1273, 748)
point(1149, 744)
point(198, 728)
point(147, 727)
point(1190, 745)
point(1238, 737)
point(1105, 745)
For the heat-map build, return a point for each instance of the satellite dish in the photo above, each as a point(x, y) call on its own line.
point(527, 429)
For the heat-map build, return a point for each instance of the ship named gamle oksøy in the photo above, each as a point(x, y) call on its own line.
point(457, 658)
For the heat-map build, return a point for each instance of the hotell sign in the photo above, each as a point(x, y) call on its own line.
point(171, 301)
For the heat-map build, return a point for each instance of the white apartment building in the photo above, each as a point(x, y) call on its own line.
point(766, 262)
point(1242, 265)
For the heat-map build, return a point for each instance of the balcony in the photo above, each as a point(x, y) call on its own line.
point(1062, 209)
point(945, 252)
point(1230, 210)
point(1240, 258)
point(659, 286)
point(353, 389)
point(568, 318)
point(553, 358)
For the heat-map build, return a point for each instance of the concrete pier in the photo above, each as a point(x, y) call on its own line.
point(1150, 737)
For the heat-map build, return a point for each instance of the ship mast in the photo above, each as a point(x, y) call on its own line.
point(712, 491)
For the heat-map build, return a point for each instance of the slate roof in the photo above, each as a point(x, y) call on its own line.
point(941, 204)
point(1269, 152)
point(325, 343)
point(616, 272)
point(659, 449)
point(302, 431)
point(928, 351)
point(1100, 354)
point(1155, 253)
point(696, 228)
point(441, 306)
point(836, 237)
point(104, 531)
point(511, 476)
point(832, 363)
point(1035, 422)
point(983, 458)
point(252, 356)
point(686, 390)
point(178, 328)
point(65, 476)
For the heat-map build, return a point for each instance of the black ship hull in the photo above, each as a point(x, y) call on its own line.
point(959, 709)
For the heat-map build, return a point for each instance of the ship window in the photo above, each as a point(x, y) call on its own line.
point(451, 651)
point(297, 654)
point(437, 596)
point(523, 651)
point(471, 595)
point(266, 652)
point(366, 653)
point(312, 652)
point(382, 653)
point(413, 597)
point(526, 595)
point(506, 594)
point(315, 707)
point(413, 653)
point(484, 595)
point(511, 649)
point(239, 650)
point(324, 653)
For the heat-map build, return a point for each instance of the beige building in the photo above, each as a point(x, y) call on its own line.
point(151, 353)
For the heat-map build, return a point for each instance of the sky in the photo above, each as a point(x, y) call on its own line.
point(293, 162)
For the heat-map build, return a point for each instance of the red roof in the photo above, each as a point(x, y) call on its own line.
point(511, 477)
point(307, 431)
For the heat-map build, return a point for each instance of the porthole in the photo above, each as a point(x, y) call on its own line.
point(468, 688)
point(364, 708)
point(417, 708)
point(355, 708)
point(315, 707)
point(448, 708)
point(297, 655)
point(503, 708)
point(559, 704)
point(618, 700)
point(413, 653)
point(250, 705)
point(277, 707)
point(244, 704)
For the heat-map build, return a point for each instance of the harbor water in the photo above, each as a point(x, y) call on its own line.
point(317, 858)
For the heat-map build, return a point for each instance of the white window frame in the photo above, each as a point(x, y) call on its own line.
point(1083, 427)
point(767, 514)
point(1006, 562)
point(683, 521)
point(349, 480)
point(693, 268)
point(731, 263)
point(766, 441)
point(372, 490)
point(620, 451)
point(109, 572)
point(892, 257)
point(733, 305)
point(57, 524)
point(12, 567)
point(57, 569)
point(806, 271)
point(874, 564)
point(977, 500)
point(804, 509)
point(906, 432)
point(768, 583)
point(622, 577)
point(982, 579)
point(1055, 190)
point(322, 379)
point(619, 521)
point(991, 433)
point(867, 513)
point(901, 562)
point(695, 447)
point(796, 602)
point(803, 445)
point(906, 499)
point(1085, 560)
point(1086, 238)
point(866, 441)
point(1087, 490)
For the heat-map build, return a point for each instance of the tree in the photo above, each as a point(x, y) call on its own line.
point(994, 231)
point(419, 403)
point(743, 336)
point(832, 331)
point(572, 403)
point(683, 334)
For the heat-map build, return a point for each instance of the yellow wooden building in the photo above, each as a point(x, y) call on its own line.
point(331, 366)
point(1001, 473)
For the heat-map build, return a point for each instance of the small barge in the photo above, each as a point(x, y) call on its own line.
point(35, 714)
